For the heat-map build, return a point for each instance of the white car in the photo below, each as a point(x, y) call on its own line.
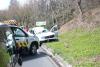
point(45, 35)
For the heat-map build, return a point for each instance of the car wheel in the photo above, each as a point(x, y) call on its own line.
point(13, 61)
point(41, 44)
point(33, 50)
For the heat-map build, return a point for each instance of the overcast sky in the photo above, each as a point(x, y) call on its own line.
point(5, 3)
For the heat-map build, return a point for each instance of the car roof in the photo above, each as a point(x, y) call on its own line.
point(6, 25)
point(38, 28)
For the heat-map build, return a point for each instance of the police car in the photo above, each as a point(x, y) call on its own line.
point(25, 43)
point(25, 40)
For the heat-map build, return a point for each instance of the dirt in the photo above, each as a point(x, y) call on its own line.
point(69, 25)
point(97, 58)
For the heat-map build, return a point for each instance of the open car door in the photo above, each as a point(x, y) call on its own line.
point(20, 37)
point(54, 29)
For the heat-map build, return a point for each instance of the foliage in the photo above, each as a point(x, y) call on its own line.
point(4, 57)
point(52, 11)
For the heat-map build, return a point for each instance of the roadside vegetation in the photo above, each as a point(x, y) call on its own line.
point(4, 57)
point(79, 47)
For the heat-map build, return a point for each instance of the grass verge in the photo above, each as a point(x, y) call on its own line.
point(80, 47)
point(4, 57)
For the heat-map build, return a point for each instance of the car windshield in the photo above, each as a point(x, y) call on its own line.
point(38, 31)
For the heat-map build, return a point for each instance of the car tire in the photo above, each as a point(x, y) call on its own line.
point(33, 50)
point(20, 61)
point(41, 44)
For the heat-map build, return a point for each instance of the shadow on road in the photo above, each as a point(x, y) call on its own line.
point(36, 56)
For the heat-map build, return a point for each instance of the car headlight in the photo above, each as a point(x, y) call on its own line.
point(51, 36)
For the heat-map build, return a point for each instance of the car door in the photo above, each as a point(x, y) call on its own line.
point(54, 29)
point(9, 37)
point(20, 37)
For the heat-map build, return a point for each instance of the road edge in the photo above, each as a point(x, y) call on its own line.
point(56, 58)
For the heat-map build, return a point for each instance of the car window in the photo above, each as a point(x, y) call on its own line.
point(40, 31)
point(55, 28)
point(10, 40)
point(18, 32)
point(45, 30)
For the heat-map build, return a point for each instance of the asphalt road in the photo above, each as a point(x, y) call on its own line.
point(41, 59)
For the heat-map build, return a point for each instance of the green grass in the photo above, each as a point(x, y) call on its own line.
point(4, 57)
point(79, 47)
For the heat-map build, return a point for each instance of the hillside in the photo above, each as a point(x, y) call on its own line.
point(91, 20)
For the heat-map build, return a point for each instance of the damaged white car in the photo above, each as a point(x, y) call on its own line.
point(44, 34)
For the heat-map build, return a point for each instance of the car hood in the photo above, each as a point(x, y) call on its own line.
point(45, 34)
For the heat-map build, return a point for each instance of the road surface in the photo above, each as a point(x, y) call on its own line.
point(41, 59)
